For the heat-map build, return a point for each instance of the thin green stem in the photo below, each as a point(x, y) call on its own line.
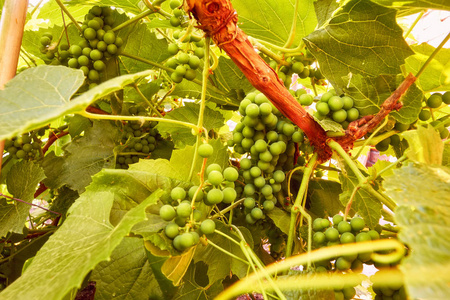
point(297, 207)
point(271, 54)
point(247, 283)
point(375, 140)
point(36, 7)
point(263, 291)
point(381, 197)
point(227, 237)
point(348, 160)
point(291, 37)
point(401, 159)
point(228, 253)
point(278, 48)
point(66, 11)
point(149, 103)
point(350, 201)
point(414, 23)
point(230, 207)
point(435, 52)
point(134, 19)
point(263, 270)
point(135, 118)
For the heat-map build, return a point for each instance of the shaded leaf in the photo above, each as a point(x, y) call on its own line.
point(280, 218)
point(324, 10)
point(21, 181)
point(51, 11)
point(433, 4)
point(182, 135)
point(367, 38)
point(220, 264)
point(131, 6)
point(423, 213)
point(363, 203)
point(84, 157)
point(85, 239)
point(128, 265)
point(191, 289)
point(176, 266)
point(324, 197)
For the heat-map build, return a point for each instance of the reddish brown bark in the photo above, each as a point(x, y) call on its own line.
point(218, 19)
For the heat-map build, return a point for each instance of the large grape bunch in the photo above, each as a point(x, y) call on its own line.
point(139, 139)
point(26, 146)
point(339, 231)
point(269, 142)
point(99, 43)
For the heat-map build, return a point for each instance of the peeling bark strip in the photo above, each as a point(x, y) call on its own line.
point(218, 19)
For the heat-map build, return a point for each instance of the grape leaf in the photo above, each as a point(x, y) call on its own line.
point(21, 180)
point(191, 289)
point(84, 156)
point(83, 240)
point(434, 4)
point(42, 94)
point(369, 93)
point(367, 38)
point(425, 145)
point(128, 265)
point(280, 218)
point(189, 113)
point(446, 156)
point(220, 265)
point(363, 203)
point(272, 20)
point(131, 6)
point(228, 77)
point(436, 76)
point(324, 197)
point(51, 11)
point(176, 266)
point(324, 10)
point(423, 195)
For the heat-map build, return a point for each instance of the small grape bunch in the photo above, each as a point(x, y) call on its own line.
point(139, 139)
point(47, 47)
point(390, 290)
point(339, 109)
point(296, 64)
point(26, 146)
point(184, 64)
point(303, 97)
point(220, 186)
point(180, 230)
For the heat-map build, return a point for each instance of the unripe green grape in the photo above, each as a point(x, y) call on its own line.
point(178, 193)
point(276, 148)
point(266, 156)
point(305, 73)
point(435, 100)
point(173, 49)
point(229, 195)
point(401, 127)
point(99, 65)
point(325, 223)
point(326, 96)
point(306, 99)
point(90, 33)
point(100, 34)
point(347, 237)
point(343, 264)
point(246, 163)
point(257, 213)
point(267, 190)
point(184, 209)
point(297, 67)
point(102, 46)
point(322, 108)
point(21, 154)
point(111, 49)
point(344, 226)
point(174, 21)
point(335, 103)
point(319, 238)
point(175, 4)
point(96, 54)
point(446, 97)
point(171, 230)
point(48, 34)
point(205, 150)
point(63, 55)
point(374, 235)
point(340, 116)
point(214, 196)
point(215, 177)
point(349, 292)
point(27, 147)
point(424, 115)
point(93, 43)
point(186, 240)
point(337, 219)
point(94, 24)
point(194, 62)
point(249, 190)
point(213, 167)
point(383, 145)
point(119, 42)
point(94, 75)
point(183, 58)
point(248, 132)
point(348, 102)
point(352, 114)
point(260, 145)
point(45, 41)
point(288, 129)
point(83, 60)
point(363, 236)
point(252, 110)
point(265, 109)
point(357, 224)
point(259, 182)
point(268, 205)
point(73, 63)
point(176, 77)
point(172, 63)
point(208, 226)
point(332, 234)
point(50, 55)
point(247, 143)
point(75, 50)
point(109, 37)
point(249, 203)
point(167, 212)
point(230, 174)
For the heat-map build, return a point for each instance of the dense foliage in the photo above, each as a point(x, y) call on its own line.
point(139, 162)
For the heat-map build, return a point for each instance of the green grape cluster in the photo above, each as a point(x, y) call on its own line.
point(27, 146)
point(339, 109)
point(220, 186)
point(337, 232)
point(139, 139)
point(270, 142)
point(437, 99)
point(301, 65)
point(47, 47)
point(186, 223)
point(391, 290)
point(185, 64)
point(90, 55)
point(179, 16)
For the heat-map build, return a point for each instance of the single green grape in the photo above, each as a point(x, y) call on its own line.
point(357, 224)
point(205, 150)
point(230, 174)
point(184, 209)
point(208, 226)
point(167, 212)
point(171, 230)
point(215, 177)
point(178, 193)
